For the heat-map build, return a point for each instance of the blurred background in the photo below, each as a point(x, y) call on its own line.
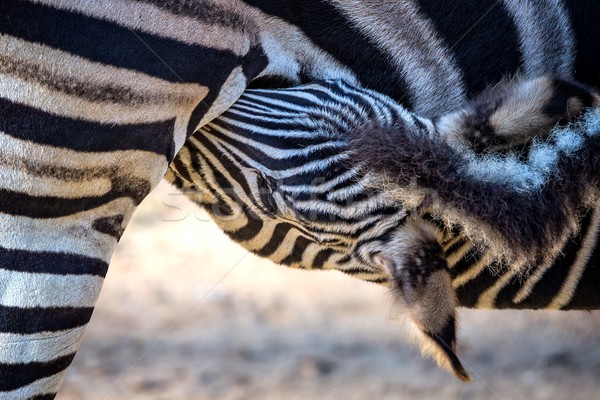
point(187, 314)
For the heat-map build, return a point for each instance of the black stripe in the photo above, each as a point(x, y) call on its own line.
point(332, 170)
point(351, 180)
point(112, 226)
point(357, 270)
point(224, 158)
point(205, 11)
point(222, 208)
point(14, 376)
point(181, 168)
point(112, 92)
point(322, 257)
point(326, 150)
point(584, 20)
point(456, 245)
point(355, 100)
point(345, 259)
point(295, 257)
point(468, 294)
point(37, 319)
point(378, 280)
point(586, 296)
point(215, 191)
point(49, 396)
point(202, 107)
point(109, 43)
point(485, 44)
point(277, 237)
point(22, 204)
point(225, 188)
point(553, 279)
point(248, 231)
point(469, 258)
point(31, 124)
point(54, 263)
point(378, 215)
point(292, 101)
point(331, 31)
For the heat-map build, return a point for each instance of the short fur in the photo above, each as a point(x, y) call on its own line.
point(422, 288)
point(427, 167)
point(515, 111)
point(519, 207)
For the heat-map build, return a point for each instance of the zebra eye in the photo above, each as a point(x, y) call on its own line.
point(266, 193)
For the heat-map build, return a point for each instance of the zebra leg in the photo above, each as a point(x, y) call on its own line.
point(422, 289)
point(511, 113)
point(61, 214)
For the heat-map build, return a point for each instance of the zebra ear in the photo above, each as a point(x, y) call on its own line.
point(423, 292)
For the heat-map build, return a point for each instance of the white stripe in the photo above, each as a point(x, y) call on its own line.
point(545, 34)
point(487, 298)
point(311, 166)
point(38, 347)
point(457, 255)
point(567, 290)
point(150, 19)
point(58, 64)
point(17, 180)
point(294, 120)
point(327, 186)
point(287, 48)
point(39, 387)
point(473, 272)
point(41, 97)
point(24, 289)
point(255, 127)
point(24, 154)
point(277, 153)
point(531, 279)
point(412, 44)
point(73, 234)
point(355, 209)
point(229, 92)
point(238, 218)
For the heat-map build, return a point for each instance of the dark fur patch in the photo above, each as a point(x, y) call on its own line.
point(525, 221)
point(565, 90)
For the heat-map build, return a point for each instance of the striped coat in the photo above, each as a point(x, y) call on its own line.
point(96, 98)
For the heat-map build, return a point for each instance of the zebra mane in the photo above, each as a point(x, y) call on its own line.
point(520, 207)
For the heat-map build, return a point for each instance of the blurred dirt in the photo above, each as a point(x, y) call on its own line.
point(186, 314)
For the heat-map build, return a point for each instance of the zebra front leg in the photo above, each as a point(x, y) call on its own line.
point(61, 214)
point(511, 113)
point(423, 291)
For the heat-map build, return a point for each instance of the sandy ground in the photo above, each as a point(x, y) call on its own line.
point(186, 314)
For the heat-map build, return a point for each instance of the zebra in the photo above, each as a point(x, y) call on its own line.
point(84, 85)
point(287, 175)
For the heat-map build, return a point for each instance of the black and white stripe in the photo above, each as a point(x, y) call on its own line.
point(284, 173)
point(275, 172)
point(96, 98)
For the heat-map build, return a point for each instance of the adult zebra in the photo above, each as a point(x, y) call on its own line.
point(97, 97)
point(282, 172)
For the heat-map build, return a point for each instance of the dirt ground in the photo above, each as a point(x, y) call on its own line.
point(185, 314)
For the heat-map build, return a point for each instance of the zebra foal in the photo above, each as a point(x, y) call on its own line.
point(287, 175)
point(96, 98)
